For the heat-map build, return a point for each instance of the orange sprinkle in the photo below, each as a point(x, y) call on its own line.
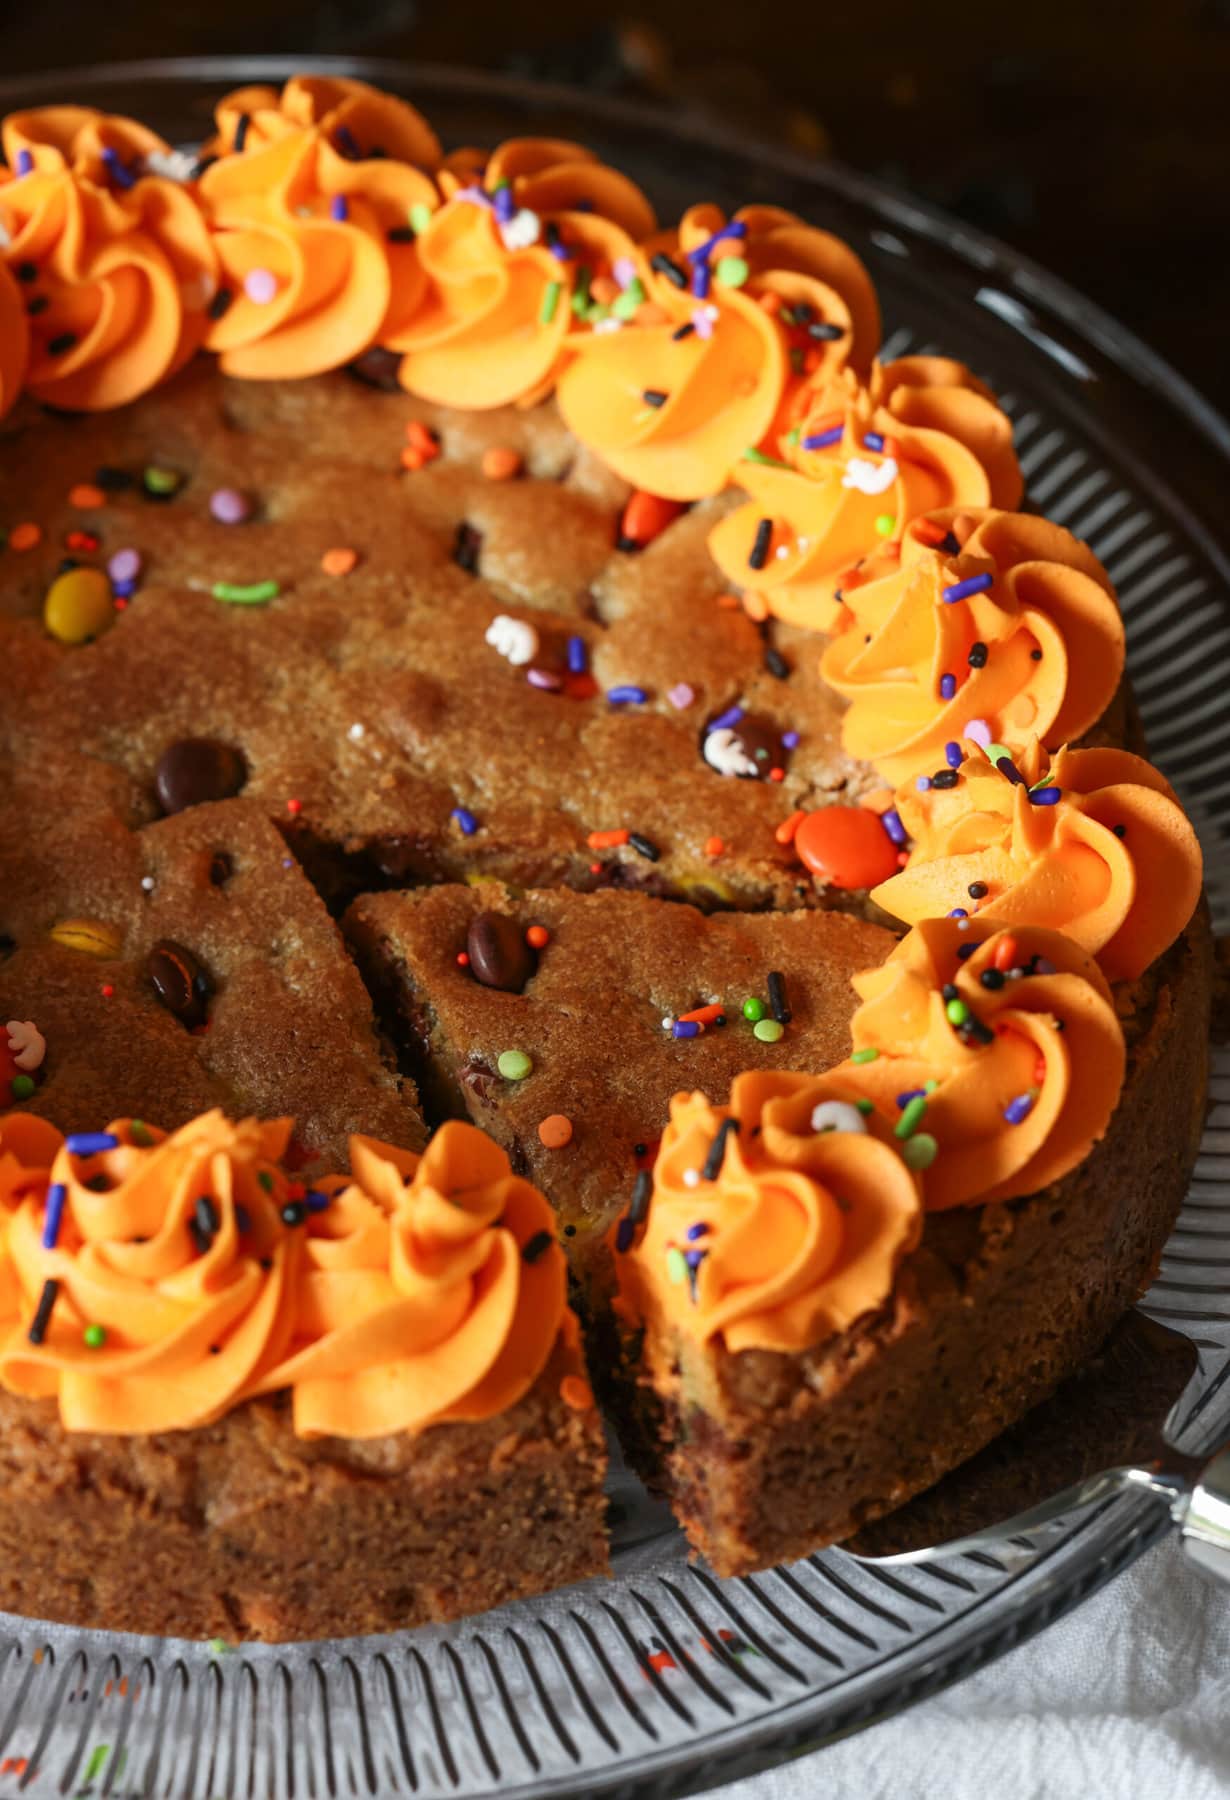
point(501, 463)
point(811, 359)
point(25, 537)
point(650, 313)
point(1006, 953)
point(555, 1131)
point(576, 1392)
point(646, 515)
point(755, 606)
point(595, 868)
point(777, 774)
point(107, 990)
point(412, 457)
point(85, 494)
point(786, 830)
point(537, 937)
point(606, 840)
point(420, 438)
point(714, 846)
point(339, 561)
point(878, 800)
point(604, 289)
point(892, 448)
point(294, 808)
point(463, 959)
point(770, 303)
point(702, 1015)
point(729, 601)
point(928, 532)
point(850, 578)
point(829, 422)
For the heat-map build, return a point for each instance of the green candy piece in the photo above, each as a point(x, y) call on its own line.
point(920, 1151)
point(865, 1106)
point(676, 1268)
point(732, 271)
point(514, 1065)
point(23, 1087)
point(768, 1030)
point(753, 1009)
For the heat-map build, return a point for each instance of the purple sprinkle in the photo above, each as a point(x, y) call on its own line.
point(701, 280)
point(346, 139)
point(505, 205)
point(627, 696)
point(730, 717)
point(91, 1143)
point(694, 1258)
point(122, 176)
point(790, 740)
point(903, 1100)
point(820, 440)
point(1043, 796)
point(891, 821)
point(316, 1200)
point(948, 687)
point(624, 271)
point(560, 250)
point(1043, 965)
point(576, 655)
point(922, 783)
point(465, 818)
point(873, 441)
point(56, 1195)
point(25, 162)
point(977, 584)
point(1009, 770)
point(1019, 1109)
point(978, 732)
point(338, 209)
point(702, 252)
point(685, 1028)
point(958, 912)
point(623, 1234)
point(697, 1231)
point(123, 590)
point(965, 951)
point(952, 755)
point(544, 678)
point(125, 565)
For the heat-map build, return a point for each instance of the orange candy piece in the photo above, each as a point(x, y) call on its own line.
point(339, 561)
point(25, 536)
point(846, 846)
point(555, 1131)
point(576, 1392)
point(646, 516)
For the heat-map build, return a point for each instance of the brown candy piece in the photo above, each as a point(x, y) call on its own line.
point(181, 984)
point(499, 955)
point(762, 743)
point(196, 770)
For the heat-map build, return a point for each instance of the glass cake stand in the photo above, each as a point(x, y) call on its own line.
point(665, 1680)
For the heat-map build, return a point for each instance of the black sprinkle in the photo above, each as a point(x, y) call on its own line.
point(61, 345)
point(950, 991)
point(26, 271)
point(466, 546)
point(681, 332)
point(977, 890)
point(666, 265)
point(537, 1246)
point(215, 1349)
point(965, 951)
point(242, 1221)
point(206, 1215)
point(776, 984)
point(113, 480)
point(201, 164)
point(401, 234)
point(978, 656)
point(1120, 831)
point(776, 664)
point(266, 1262)
point(644, 846)
point(976, 1029)
point(42, 1313)
point(220, 868)
point(201, 1240)
point(640, 1149)
point(826, 334)
point(294, 1212)
point(626, 544)
point(241, 133)
point(1036, 655)
point(717, 1149)
point(220, 305)
point(570, 1231)
point(67, 563)
point(720, 1020)
point(993, 979)
point(944, 778)
point(760, 549)
point(655, 397)
point(642, 1188)
point(7, 944)
point(949, 544)
point(38, 305)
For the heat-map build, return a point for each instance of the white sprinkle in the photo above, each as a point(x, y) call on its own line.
point(837, 1115)
point(668, 1024)
point(607, 325)
point(723, 750)
point(869, 477)
point(522, 230)
point(147, 883)
point(172, 165)
point(513, 638)
point(356, 732)
point(691, 1178)
point(27, 1043)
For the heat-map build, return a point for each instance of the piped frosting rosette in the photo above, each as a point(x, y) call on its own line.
point(740, 310)
point(1093, 843)
point(116, 264)
point(995, 1056)
point(314, 230)
point(851, 467)
point(433, 1288)
point(516, 259)
point(763, 1237)
point(996, 627)
point(14, 340)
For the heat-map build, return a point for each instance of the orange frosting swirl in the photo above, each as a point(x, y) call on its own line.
point(354, 117)
point(502, 304)
point(385, 1303)
point(123, 257)
point(14, 340)
point(778, 302)
point(1112, 860)
point(839, 507)
point(795, 1236)
point(315, 242)
point(1001, 1088)
point(1042, 610)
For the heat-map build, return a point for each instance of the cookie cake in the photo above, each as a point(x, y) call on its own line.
point(595, 843)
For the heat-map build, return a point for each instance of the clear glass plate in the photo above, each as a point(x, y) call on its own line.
point(665, 1680)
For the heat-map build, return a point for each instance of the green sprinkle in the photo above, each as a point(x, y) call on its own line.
point(865, 1106)
point(162, 481)
point(732, 271)
point(266, 1180)
point(864, 1056)
point(255, 594)
point(676, 1268)
point(625, 305)
point(794, 434)
point(95, 1336)
point(420, 217)
point(751, 454)
point(920, 1151)
point(753, 1009)
point(550, 300)
point(886, 524)
point(768, 1030)
point(595, 314)
point(217, 1646)
point(23, 1086)
point(912, 1116)
point(503, 182)
point(140, 1133)
point(931, 1084)
point(514, 1065)
point(997, 752)
point(957, 1012)
point(98, 1756)
point(580, 293)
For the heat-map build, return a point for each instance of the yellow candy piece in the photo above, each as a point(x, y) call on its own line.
point(88, 936)
point(79, 606)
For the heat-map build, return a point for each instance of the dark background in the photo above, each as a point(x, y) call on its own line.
point(1092, 134)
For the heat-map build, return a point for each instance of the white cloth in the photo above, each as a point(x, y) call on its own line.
point(1127, 1696)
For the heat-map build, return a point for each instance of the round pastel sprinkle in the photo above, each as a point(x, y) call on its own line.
point(125, 565)
point(886, 524)
point(978, 732)
point(838, 1115)
point(768, 1030)
point(261, 286)
point(229, 506)
point(681, 695)
point(732, 271)
point(676, 1267)
point(957, 1012)
point(420, 216)
point(753, 1009)
point(555, 1131)
point(514, 1065)
point(922, 783)
point(94, 1336)
point(919, 1151)
point(79, 606)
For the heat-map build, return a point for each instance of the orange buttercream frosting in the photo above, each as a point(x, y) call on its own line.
point(515, 260)
point(1095, 844)
point(153, 1282)
point(997, 1067)
point(313, 230)
point(14, 340)
point(764, 1231)
point(851, 468)
point(123, 266)
point(739, 312)
point(1007, 628)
